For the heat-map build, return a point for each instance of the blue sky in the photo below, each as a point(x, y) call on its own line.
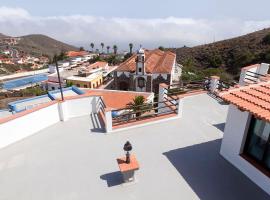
point(149, 22)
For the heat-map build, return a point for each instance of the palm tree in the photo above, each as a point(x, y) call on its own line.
point(92, 45)
point(130, 48)
point(102, 46)
point(138, 104)
point(115, 49)
point(108, 49)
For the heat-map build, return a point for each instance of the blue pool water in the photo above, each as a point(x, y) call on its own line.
point(8, 85)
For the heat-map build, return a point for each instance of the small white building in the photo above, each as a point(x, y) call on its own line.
point(246, 140)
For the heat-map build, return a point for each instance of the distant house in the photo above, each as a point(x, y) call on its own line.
point(76, 53)
point(91, 81)
point(53, 83)
point(246, 140)
point(144, 71)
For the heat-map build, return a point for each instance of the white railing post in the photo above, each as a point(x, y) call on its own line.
point(263, 69)
point(242, 77)
point(214, 83)
point(95, 105)
point(163, 90)
point(62, 109)
point(179, 107)
point(108, 120)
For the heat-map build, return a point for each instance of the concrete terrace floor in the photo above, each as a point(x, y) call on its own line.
point(179, 159)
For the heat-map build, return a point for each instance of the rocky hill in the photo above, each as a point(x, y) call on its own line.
point(2, 35)
point(42, 45)
point(230, 55)
point(38, 45)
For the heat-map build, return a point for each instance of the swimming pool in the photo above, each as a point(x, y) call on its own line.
point(8, 85)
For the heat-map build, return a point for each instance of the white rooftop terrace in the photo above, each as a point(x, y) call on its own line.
point(179, 159)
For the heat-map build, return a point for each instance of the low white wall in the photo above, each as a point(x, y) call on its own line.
point(232, 146)
point(22, 127)
point(29, 124)
point(80, 107)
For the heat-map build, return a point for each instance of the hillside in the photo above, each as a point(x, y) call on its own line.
point(2, 35)
point(42, 45)
point(230, 55)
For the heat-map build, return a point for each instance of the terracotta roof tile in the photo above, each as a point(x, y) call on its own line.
point(76, 53)
point(156, 61)
point(253, 98)
point(117, 99)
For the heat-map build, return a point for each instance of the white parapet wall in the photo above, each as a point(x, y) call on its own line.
point(29, 124)
point(233, 143)
point(79, 107)
point(26, 124)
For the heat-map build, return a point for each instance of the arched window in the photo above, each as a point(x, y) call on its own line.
point(141, 82)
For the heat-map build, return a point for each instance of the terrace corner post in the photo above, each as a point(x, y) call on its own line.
point(214, 82)
point(163, 90)
point(108, 120)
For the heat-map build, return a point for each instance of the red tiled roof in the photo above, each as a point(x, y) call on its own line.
point(76, 53)
point(98, 64)
point(117, 99)
point(253, 98)
point(156, 61)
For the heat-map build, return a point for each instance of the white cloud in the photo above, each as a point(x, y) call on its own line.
point(81, 30)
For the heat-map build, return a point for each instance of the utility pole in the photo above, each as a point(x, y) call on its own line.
point(59, 80)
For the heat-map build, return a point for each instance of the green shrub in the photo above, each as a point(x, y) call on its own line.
point(266, 39)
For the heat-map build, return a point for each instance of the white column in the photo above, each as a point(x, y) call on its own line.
point(63, 111)
point(242, 77)
point(163, 89)
point(179, 108)
point(94, 105)
point(108, 120)
point(263, 69)
point(214, 83)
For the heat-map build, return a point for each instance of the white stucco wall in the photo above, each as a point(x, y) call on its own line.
point(232, 146)
point(79, 107)
point(29, 124)
point(22, 127)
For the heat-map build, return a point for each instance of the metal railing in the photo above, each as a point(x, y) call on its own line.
point(253, 76)
point(146, 111)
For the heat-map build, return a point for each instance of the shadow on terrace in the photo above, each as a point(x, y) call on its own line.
point(210, 176)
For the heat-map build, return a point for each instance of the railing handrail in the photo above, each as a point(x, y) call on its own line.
point(143, 116)
point(255, 73)
point(145, 110)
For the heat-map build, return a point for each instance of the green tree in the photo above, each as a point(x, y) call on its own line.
point(130, 48)
point(266, 39)
point(113, 60)
point(92, 45)
point(102, 46)
point(69, 84)
point(108, 49)
point(127, 56)
point(115, 48)
point(81, 49)
point(161, 48)
point(138, 105)
point(215, 60)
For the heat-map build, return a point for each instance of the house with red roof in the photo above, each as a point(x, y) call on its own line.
point(246, 139)
point(144, 71)
point(76, 53)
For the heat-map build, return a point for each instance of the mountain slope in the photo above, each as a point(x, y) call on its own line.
point(2, 35)
point(42, 45)
point(231, 54)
